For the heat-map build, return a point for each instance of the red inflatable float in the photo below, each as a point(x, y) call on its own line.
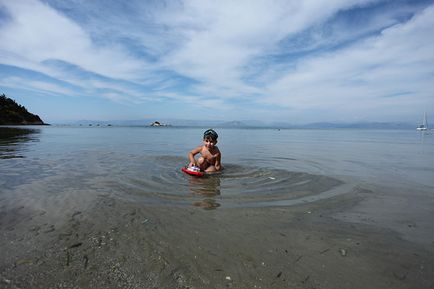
point(193, 171)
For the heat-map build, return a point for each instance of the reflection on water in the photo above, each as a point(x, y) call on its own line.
point(423, 136)
point(156, 180)
point(208, 187)
point(14, 139)
point(139, 176)
point(207, 204)
point(144, 165)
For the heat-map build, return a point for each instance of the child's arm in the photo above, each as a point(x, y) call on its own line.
point(191, 155)
point(217, 163)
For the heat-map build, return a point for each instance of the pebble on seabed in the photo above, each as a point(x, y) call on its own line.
point(343, 252)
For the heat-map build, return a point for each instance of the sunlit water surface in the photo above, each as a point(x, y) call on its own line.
point(71, 166)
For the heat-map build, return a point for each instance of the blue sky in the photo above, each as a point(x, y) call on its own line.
point(284, 60)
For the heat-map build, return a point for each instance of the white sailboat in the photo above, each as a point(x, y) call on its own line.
point(424, 125)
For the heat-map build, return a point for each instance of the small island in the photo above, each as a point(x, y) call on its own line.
point(157, 123)
point(11, 113)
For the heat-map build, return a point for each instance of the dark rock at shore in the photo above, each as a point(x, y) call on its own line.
point(11, 113)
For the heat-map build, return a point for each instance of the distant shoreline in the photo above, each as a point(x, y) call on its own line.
point(374, 126)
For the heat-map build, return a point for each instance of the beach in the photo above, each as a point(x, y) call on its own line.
point(63, 226)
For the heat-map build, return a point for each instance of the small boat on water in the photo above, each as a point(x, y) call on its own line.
point(424, 125)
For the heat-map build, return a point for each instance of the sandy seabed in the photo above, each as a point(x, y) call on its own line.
point(365, 238)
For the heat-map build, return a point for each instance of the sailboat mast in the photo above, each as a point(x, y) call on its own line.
point(424, 125)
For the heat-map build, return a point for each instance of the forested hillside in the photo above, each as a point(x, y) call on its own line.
point(11, 113)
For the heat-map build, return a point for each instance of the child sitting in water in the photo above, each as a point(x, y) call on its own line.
point(210, 159)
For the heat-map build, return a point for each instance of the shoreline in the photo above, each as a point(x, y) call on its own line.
point(331, 243)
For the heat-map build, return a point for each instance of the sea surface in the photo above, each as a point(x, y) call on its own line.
point(63, 166)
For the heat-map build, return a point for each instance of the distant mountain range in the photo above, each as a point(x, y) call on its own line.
point(249, 124)
point(320, 125)
point(11, 113)
point(360, 125)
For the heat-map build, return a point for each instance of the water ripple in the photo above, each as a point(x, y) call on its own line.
point(236, 185)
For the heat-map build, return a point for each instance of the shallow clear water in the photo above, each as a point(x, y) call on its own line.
point(70, 166)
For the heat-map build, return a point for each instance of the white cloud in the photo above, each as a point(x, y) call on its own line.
point(233, 51)
point(220, 38)
point(37, 33)
point(33, 85)
point(386, 73)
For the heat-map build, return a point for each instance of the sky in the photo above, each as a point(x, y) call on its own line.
point(269, 60)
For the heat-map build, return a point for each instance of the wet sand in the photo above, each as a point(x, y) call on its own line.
point(364, 238)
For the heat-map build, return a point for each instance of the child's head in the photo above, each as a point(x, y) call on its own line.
point(211, 135)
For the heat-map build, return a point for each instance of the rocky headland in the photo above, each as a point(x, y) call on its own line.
point(11, 113)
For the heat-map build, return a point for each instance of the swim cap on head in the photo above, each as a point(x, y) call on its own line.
point(210, 133)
